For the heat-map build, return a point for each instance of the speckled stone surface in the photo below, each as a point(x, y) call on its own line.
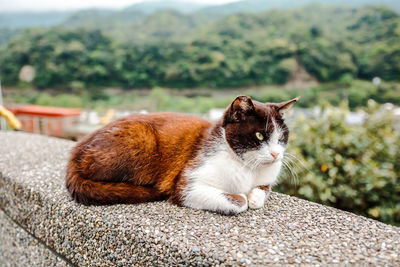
point(286, 231)
point(18, 248)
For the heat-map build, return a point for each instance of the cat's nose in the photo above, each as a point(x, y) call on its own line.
point(274, 154)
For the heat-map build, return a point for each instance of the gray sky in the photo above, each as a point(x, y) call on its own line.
point(49, 5)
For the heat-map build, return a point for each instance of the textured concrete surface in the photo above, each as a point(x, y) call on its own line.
point(18, 248)
point(286, 231)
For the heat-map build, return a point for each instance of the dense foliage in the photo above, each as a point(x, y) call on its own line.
point(67, 58)
point(175, 50)
point(357, 93)
point(351, 167)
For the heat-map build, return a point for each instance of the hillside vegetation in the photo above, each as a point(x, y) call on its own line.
point(46, 18)
point(171, 49)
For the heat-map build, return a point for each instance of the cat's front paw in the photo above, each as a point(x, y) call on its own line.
point(256, 198)
point(238, 204)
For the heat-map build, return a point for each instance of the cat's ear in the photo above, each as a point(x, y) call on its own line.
point(286, 106)
point(240, 108)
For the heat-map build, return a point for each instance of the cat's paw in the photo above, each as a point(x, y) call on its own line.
point(238, 203)
point(246, 205)
point(256, 198)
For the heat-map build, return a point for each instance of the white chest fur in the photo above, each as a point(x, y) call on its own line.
point(227, 172)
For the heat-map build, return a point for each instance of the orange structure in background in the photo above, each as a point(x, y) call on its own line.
point(51, 121)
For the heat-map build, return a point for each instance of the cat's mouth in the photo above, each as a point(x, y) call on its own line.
point(269, 162)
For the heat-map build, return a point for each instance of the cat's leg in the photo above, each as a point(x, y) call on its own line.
point(205, 197)
point(258, 196)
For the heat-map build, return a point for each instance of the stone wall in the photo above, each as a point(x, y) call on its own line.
point(42, 226)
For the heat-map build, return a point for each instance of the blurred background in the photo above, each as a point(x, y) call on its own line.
point(67, 68)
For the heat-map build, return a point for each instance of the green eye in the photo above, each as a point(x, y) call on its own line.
point(259, 136)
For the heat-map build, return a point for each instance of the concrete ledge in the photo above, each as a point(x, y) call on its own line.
point(286, 231)
point(18, 248)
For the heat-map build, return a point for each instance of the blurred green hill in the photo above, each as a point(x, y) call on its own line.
point(171, 19)
point(32, 19)
point(153, 6)
point(264, 5)
point(136, 11)
point(168, 48)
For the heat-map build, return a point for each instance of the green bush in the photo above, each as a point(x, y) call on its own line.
point(351, 167)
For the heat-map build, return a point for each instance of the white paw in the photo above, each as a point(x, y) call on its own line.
point(256, 198)
point(237, 205)
point(245, 206)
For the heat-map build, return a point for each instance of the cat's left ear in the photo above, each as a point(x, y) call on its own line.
point(241, 107)
point(285, 106)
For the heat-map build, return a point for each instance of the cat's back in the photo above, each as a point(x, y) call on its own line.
point(164, 129)
point(161, 119)
point(165, 124)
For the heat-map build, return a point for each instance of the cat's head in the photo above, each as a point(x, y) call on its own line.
point(256, 131)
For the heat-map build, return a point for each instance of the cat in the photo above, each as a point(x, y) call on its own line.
point(225, 167)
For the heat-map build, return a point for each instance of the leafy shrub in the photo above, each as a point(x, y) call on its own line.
point(351, 167)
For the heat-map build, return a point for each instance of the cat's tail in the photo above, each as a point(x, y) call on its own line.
point(90, 192)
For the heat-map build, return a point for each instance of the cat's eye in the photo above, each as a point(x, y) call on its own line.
point(259, 136)
point(281, 140)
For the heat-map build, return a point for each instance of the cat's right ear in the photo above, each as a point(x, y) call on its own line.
point(240, 108)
